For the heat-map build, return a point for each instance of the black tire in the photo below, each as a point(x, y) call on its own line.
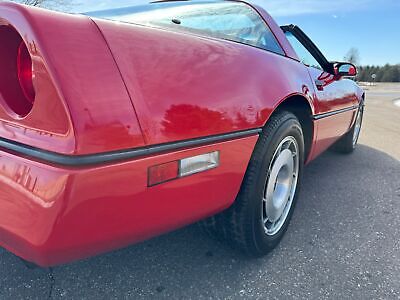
point(348, 143)
point(242, 224)
point(214, 226)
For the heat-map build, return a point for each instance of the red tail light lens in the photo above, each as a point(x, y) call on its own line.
point(17, 90)
point(25, 75)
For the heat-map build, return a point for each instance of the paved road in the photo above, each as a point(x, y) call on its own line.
point(343, 242)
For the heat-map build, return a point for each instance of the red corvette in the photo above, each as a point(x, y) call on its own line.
point(120, 125)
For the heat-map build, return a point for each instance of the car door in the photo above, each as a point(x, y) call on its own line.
point(336, 97)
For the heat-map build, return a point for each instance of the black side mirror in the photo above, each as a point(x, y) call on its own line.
point(345, 69)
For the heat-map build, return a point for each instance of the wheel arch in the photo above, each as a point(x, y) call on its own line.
point(303, 110)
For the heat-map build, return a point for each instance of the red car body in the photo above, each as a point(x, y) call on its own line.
point(113, 100)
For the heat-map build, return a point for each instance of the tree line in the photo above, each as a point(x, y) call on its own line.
point(386, 73)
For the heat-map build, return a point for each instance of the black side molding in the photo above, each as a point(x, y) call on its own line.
point(332, 113)
point(108, 157)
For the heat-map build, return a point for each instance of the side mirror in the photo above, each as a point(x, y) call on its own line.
point(345, 69)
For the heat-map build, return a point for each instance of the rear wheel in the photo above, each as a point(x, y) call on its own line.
point(348, 142)
point(262, 211)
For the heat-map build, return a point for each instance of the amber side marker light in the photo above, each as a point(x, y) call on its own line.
point(182, 168)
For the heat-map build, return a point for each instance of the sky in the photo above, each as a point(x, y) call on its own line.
point(371, 26)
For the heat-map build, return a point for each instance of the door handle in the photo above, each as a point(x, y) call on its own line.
point(320, 84)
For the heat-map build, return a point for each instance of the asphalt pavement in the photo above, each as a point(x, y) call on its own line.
point(343, 241)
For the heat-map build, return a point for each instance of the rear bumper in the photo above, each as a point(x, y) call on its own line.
point(51, 215)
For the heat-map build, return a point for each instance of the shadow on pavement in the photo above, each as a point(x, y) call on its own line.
point(343, 241)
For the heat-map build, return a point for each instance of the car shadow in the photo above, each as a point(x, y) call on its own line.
point(345, 202)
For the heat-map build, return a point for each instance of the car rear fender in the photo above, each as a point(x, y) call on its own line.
point(81, 105)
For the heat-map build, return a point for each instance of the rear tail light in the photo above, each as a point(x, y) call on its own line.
point(25, 74)
point(17, 91)
point(182, 168)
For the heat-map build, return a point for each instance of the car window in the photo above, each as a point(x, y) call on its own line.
point(305, 56)
point(231, 21)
